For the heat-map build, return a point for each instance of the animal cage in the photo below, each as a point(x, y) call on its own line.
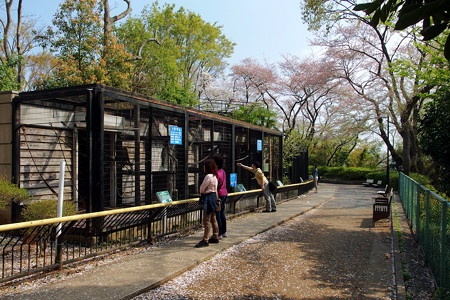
point(121, 148)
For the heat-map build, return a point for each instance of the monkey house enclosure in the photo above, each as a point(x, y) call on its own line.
point(120, 148)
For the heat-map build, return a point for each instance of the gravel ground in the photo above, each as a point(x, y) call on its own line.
point(329, 253)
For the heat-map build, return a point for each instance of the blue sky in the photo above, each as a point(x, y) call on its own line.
point(262, 29)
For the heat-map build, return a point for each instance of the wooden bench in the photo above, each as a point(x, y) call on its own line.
point(382, 207)
point(379, 182)
point(368, 182)
point(385, 192)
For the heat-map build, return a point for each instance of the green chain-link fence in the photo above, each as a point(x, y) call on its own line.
point(429, 219)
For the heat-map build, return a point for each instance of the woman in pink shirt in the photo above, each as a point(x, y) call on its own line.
point(208, 193)
point(223, 195)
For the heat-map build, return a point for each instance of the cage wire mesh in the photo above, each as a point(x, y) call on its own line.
point(242, 155)
point(46, 135)
point(167, 159)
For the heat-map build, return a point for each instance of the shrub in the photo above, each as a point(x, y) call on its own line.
point(45, 209)
point(378, 175)
point(351, 173)
point(357, 173)
point(10, 192)
point(422, 179)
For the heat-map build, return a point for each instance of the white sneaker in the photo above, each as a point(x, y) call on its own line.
point(224, 235)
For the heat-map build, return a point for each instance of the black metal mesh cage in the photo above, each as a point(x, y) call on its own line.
point(121, 149)
point(242, 155)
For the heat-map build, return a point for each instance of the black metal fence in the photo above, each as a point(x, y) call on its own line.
point(120, 149)
point(40, 246)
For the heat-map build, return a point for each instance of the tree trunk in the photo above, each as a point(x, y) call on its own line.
point(406, 165)
point(6, 28)
point(414, 152)
point(108, 21)
point(19, 48)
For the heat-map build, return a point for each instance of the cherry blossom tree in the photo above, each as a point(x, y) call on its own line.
point(308, 97)
point(385, 68)
point(286, 87)
point(366, 61)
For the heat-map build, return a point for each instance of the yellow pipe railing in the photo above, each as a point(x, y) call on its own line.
point(35, 223)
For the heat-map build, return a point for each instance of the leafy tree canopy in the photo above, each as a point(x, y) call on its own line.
point(83, 52)
point(434, 15)
point(172, 50)
point(255, 113)
point(435, 134)
point(8, 74)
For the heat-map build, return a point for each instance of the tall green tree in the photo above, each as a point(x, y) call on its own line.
point(434, 135)
point(172, 50)
point(17, 38)
point(85, 51)
point(8, 74)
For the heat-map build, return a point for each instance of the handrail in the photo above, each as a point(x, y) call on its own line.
point(21, 225)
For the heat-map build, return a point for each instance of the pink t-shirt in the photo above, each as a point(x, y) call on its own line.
point(209, 184)
point(222, 182)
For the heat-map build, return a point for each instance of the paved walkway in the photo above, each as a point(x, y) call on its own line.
point(135, 274)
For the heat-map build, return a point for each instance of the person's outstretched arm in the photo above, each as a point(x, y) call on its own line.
point(245, 167)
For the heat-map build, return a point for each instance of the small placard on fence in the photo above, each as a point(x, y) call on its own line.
point(240, 188)
point(164, 197)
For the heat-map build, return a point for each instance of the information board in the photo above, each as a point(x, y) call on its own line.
point(233, 179)
point(259, 145)
point(164, 197)
point(176, 135)
point(240, 187)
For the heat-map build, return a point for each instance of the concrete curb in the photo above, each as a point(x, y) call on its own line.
point(397, 217)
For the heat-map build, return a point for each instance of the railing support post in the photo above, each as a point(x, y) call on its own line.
point(427, 224)
point(59, 213)
point(417, 210)
point(443, 248)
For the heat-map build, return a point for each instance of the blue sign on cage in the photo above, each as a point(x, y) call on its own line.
point(176, 135)
point(233, 179)
point(259, 145)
